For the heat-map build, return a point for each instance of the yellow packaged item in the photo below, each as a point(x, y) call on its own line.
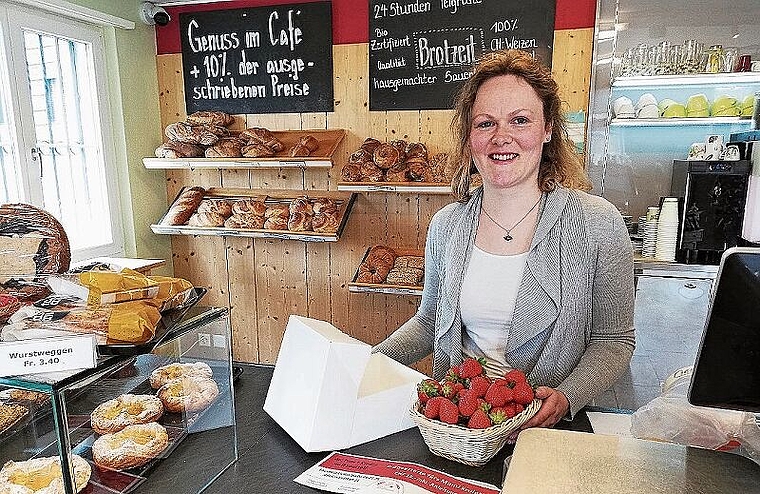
point(108, 287)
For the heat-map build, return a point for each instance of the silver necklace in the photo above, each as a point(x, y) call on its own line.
point(508, 231)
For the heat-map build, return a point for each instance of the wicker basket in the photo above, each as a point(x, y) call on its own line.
point(474, 447)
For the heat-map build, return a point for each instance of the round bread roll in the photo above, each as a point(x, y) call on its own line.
point(324, 205)
point(386, 156)
point(210, 117)
point(228, 147)
point(133, 446)
point(252, 206)
point(360, 156)
point(369, 145)
point(176, 149)
point(127, 409)
point(189, 394)
point(371, 172)
point(351, 173)
point(398, 173)
point(42, 475)
point(167, 373)
point(218, 206)
point(419, 170)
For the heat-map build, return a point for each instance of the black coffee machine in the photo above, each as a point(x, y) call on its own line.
point(713, 195)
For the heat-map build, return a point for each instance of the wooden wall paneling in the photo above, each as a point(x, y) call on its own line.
point(571, 66)
point(171, 88)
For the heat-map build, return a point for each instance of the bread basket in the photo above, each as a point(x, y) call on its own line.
point(474, 447)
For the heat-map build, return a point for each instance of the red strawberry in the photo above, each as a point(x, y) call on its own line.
point(480, 384)
point(515, 376)
point(428, 389)
point(499, 415)
point(479, 420)
point(448, 411)
point(433, 407)
point(453, 374)
point(522, 393)
point(498, 395)
point(450, 389)
point(510, 409)
point(471, 368)
point(468, 403)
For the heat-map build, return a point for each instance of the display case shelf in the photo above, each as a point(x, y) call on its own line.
point(686, 80)
point(322, 157)
point(679, 122)
point(344, 201)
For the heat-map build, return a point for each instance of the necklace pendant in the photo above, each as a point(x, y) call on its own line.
point(507, 237)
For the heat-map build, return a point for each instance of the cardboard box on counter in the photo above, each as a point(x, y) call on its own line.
point(329, 392)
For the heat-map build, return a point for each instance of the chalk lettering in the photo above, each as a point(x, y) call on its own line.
point(211, 91)
point(394, 84)
point(210, 42)
point(293, 67)
point(514, 43)
point(290, 36)
point(454, 77)
point(453, 5)
point(445, 55)
point(391, 64)
point(245, 67)
point(390, 43)
point(287, 88)
point(417, 7)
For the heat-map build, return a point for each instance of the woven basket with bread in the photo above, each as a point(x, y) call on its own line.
point(468, 417)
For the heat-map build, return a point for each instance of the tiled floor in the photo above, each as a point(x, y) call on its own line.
point(669, 317)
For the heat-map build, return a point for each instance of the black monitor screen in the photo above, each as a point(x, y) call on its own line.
point(727, 369)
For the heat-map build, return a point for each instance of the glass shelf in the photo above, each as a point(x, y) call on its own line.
point(687, 79)
point(679, 122)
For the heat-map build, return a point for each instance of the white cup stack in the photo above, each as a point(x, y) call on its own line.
point(649, 233)
point(667, 230)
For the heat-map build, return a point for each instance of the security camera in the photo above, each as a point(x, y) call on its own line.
point(150, 14)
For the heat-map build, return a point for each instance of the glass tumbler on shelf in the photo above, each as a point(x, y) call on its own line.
point(712, 59)
point(641, 60)
point(730, 56)
point(692, 54)
point(675, 59)
point(662, 58)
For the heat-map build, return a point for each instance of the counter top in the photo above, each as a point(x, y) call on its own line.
point(550, 461)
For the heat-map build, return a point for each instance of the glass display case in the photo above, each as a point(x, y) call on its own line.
point(181, 450)
point(672, 52)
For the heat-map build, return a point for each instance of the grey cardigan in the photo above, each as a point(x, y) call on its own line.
point(573, 320)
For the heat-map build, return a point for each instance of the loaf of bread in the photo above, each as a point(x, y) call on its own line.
point(439, 168)
point(398, 173)
point(184, 207)
point(377, 265)
point(257, 151)
point(404, 276)
point(249, 206)
point(371, 172)
point(369, 145)
point(176, 149)
point(259, 135)
point(228, 147)
point(245, 220)
point(299, 150)
point(218, 206)
point(195, 134)
point(310, 142)
point(325, 215)
point(419, 170)
point(211, 117)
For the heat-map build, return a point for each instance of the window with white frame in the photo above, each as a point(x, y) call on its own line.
point(56, 150)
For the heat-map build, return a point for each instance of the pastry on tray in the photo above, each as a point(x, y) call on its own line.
point(42, 475)
point(133, 446)
point(127, 409)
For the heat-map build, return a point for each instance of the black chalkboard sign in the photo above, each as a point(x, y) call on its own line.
point(421, 51)
point(258, 60)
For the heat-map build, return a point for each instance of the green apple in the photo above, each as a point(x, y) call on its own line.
point(725, 106)
point(697, 106)
point(676, 110)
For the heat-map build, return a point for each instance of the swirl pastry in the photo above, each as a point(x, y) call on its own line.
point(42, 475)
point(246, 221)
point(219, 206)
point(386, 156)
point(127, 409)
point(189, 394)
point(416, 150)
point(178, 370)
point(133, 446)
point(249, 206)
point(397, 173)
point(300, 205)
point(360, 156)
point(377, 265)
point(276, 217)
point(210, 117)
point(300, 222)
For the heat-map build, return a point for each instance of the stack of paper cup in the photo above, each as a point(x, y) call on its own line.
point(667, 230)
point(649, 233)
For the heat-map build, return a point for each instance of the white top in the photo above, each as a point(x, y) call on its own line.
point(487, 302)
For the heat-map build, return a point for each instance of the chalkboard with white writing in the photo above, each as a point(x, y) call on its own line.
point(258, 60)
point(420, 51)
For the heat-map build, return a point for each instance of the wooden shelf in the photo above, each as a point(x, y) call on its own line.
point(321, 158)
point(385, 288)
point(345, 202)
point(407, 187)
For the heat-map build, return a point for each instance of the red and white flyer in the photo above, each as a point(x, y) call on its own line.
point(343, 473)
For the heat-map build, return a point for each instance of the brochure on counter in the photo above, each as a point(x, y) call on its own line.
point(344, 473)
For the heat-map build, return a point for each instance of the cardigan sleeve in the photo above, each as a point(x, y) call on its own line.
point(612, 341)
point(413, 340)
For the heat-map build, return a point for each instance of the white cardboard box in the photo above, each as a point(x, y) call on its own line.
point(329, 392)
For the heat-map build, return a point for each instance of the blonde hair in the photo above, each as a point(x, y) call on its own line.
point(560, 164)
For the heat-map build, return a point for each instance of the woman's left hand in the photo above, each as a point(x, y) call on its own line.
point(553, 408)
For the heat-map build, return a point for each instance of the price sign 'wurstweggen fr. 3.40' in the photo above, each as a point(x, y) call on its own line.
point(420, 51)
point(258, 60)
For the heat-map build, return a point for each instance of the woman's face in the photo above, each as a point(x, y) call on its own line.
point(508, 132)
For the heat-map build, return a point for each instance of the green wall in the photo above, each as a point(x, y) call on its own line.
point(131, 55)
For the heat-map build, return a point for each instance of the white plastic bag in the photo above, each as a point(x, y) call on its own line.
point(670, 417)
